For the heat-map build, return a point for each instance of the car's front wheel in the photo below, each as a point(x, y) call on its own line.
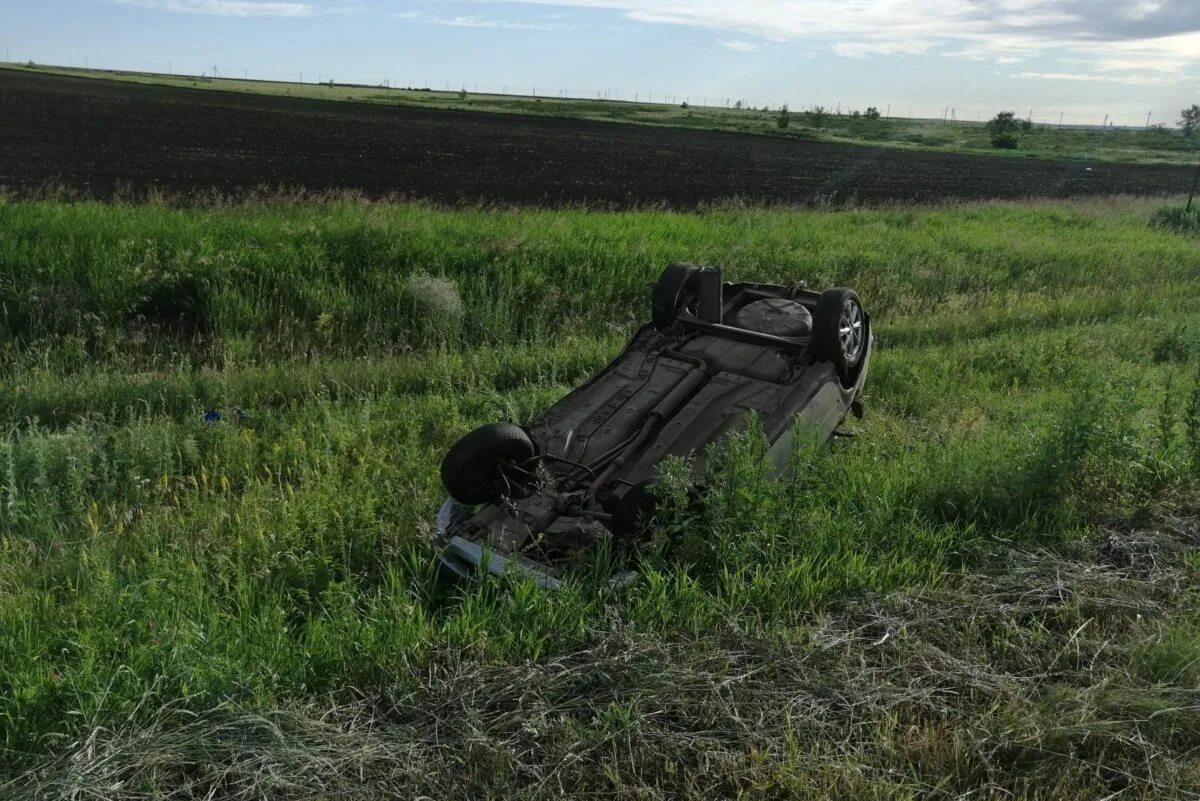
point(482, 466)
point(840, 332)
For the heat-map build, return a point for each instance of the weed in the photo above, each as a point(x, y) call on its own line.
point(1179, 220)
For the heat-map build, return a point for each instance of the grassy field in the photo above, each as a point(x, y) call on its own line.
point(1041, 141)
point(989, 591)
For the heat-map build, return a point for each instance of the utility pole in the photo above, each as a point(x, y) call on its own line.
point(1061, 114)
point(1148, 113)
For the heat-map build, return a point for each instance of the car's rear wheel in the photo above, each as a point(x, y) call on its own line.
point(481, 466)
point(840, 332)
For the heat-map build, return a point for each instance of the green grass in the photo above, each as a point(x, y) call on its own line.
point(249, 606)
point(1157, 145)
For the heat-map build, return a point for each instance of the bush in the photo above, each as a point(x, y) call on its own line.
point(818, 116)
point(1177, 219)
point(784, 119)
point(872, 113)
point(1003, 129)
point(1190, 120)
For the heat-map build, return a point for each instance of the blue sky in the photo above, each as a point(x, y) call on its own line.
point(1081, 58)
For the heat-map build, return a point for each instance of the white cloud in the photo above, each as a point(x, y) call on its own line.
point(1102, 36)
point(465, 21)
point(228, 8)
point(867, 49)
point(740, 45)
point(1133, 79)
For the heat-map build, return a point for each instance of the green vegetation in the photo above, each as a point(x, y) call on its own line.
point(1004, 130)
point(1179, 219)
point(1189, 121)
point(989, 591)
point(1154, 145)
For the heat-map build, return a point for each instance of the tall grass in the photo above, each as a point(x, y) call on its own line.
point(1035, 380)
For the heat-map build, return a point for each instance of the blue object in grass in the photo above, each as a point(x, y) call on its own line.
point(212, 416)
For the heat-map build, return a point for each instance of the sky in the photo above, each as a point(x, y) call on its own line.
point(1081, 60)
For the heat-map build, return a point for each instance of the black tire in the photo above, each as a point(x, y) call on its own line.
point(672, 293)
point(835, 341)
point(474, 470)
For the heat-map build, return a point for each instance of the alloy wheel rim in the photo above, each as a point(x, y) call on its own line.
point(851, 330)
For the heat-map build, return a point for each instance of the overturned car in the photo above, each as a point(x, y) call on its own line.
point(533, 498)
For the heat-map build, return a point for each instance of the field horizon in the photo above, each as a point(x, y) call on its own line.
point(1157, 144)
point(115, 140)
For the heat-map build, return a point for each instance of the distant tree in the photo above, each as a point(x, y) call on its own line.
point(462, 93)
point(1003, 129)
point(684, 104)
point(784, 119)
point(738, 105)
point(1190, 120)
point(817, 116)
point(872, 113)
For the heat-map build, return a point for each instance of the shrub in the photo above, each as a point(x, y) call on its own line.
point(1003, 129)
point(1190, 120)
point(872, 113)
point(818, 116)
point(1177, 219)
point(784, 119)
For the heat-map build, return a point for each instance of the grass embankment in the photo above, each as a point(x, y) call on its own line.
point(249, 606)
point(1136, 145)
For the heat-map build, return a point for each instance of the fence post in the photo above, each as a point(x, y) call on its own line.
point(1192, 195)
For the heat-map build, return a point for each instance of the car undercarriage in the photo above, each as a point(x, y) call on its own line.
point(535, 497)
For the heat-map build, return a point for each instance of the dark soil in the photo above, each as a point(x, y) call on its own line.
point(108, 138)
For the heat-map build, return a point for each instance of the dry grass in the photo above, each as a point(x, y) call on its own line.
point(1012, 681)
